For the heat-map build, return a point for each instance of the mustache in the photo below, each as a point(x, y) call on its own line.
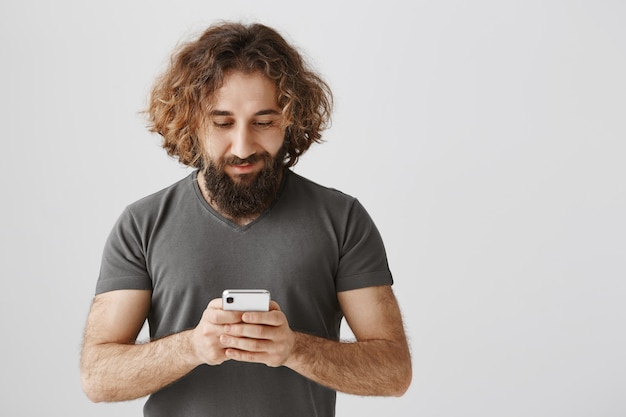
point(234, 160)
point(255, 157)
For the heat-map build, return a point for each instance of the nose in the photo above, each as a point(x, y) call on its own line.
point(242, 144)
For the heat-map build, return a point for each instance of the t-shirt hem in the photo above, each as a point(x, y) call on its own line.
point(370, 279)
point(122, 283)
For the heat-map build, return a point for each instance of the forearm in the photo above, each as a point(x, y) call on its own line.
point(120, 372)
point(368, 367)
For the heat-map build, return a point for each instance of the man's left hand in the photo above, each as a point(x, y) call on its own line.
point(261, 337)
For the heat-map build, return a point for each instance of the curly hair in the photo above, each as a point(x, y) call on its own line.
point(178, 104)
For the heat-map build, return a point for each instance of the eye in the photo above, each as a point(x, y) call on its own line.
point(264, 124)
point(222, 124)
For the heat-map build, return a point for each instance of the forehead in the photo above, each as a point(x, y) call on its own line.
point(241, 92)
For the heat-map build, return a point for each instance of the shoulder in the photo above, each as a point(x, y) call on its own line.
point(157, 201)
point(313, 200)
point(306, 189)
point(141, 215)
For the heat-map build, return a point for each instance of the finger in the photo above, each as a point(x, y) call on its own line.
point(246, 356)
point(274, 305)
point(215, 303)
point(250, 331)
point(218, 316)
point(270, 318)
point(251, 356)
point(244, 343)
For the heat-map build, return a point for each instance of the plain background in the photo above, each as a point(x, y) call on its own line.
point(486, 139)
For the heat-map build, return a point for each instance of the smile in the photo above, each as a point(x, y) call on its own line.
point(243, 168)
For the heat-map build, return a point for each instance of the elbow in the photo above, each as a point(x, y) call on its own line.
point(92, 394)
point(92, 380)
point(403, 377)
point(94, 397)
point(90, 388)
point(403, 382)
point(93, 387)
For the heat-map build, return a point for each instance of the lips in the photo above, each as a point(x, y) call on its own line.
point(243, 168)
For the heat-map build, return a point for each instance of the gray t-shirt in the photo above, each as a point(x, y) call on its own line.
point(312, 243)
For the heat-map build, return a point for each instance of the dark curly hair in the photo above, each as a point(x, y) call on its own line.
point(180, 98)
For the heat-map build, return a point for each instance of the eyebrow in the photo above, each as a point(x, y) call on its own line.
point(264, 112)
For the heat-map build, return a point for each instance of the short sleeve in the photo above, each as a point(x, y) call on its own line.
point(123, 259)
point(363, 262)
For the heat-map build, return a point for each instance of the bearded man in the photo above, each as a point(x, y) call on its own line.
point(240, 105)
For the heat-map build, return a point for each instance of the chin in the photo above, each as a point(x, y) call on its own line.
point(243, 178)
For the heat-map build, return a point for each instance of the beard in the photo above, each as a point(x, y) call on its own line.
point(248, 194)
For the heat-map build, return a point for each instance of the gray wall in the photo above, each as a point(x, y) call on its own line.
point(486, 138)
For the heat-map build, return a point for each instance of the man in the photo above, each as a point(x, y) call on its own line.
point(240, 105)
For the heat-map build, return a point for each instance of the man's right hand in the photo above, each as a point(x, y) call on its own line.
point(206, 335)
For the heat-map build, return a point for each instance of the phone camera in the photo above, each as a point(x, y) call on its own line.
point(230, 300)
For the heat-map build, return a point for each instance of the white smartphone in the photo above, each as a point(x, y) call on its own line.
point(246, 300)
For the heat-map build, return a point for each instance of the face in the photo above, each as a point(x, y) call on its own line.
point(245, 120)
point(244, 146)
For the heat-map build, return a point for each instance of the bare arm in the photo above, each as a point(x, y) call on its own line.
point(377, 363)
point(113, 366)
